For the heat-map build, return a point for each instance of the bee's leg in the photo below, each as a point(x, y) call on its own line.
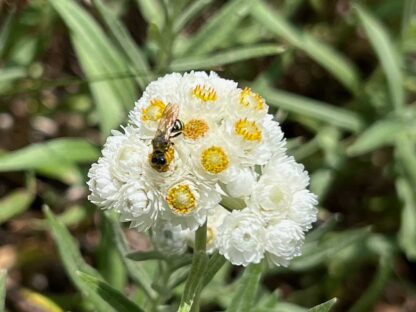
point(174, 135)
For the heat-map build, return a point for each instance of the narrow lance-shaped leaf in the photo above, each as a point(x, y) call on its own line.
point(387, 54)
point(324, 307)
point(99, 57)
point(73, 261)
point(138, 63)
point(218, 28)
point(14, 204)
point(152, 11)
point(315, 109)
point(382, 132)
point(191, 11)
point(226, 57)
point(243, 299)
point(113, 297)
point(337, 64)
point(407, 232)
point(66, 150)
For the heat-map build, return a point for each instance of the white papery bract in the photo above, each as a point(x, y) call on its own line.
point(283, 240)
point(229, 147)
point(241, 237)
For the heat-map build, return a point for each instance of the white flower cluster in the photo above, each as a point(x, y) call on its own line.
point(229, 147)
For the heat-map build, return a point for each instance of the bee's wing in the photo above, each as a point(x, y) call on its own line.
point(167, 121)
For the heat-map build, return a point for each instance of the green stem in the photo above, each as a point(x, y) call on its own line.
point(190, 296)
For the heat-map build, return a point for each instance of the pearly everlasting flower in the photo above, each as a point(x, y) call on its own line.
point(214, 141)
point(241, 237)
point(281, 193)
point(283, 241)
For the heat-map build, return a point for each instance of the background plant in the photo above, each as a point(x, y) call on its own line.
point(340, 77)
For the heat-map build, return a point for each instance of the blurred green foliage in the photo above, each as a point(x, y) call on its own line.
point(340, 77)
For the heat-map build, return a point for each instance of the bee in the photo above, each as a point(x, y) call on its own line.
point(169, 127)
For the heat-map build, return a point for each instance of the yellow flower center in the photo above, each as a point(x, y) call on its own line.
point(204, 93)
point(154, 111)
point(214, 159)
point(248, 130)
point(195, 129)
point(181, 199)
point(249, 99)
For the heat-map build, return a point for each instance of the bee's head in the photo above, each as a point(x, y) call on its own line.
point(158, 159)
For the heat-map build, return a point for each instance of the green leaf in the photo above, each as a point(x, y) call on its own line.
point(382, 132)
point(99, 58)
point(191, 11)
point(387, 54)
point(138, 63)
point(12, 73)
point(73, 261)
point(407, 232)
point(3, 276)
point(145, 255)
point(218, 28)
point(5, 31)
point(215, 263)
point(336, 116)
point(113, 297)
point(15, 203)
point(52, 153)
point(152, 11)
point(315, 253)
point(324, 307)
point(109, 261)
point(243, 299)
point(227, 57)
point(334, 62)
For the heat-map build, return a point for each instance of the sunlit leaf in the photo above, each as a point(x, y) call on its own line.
point(152, 11)
point(333, 115)
point(99, 57)
point(38, 302)
point(15, 203)
point(70, 150)
point(222, 58)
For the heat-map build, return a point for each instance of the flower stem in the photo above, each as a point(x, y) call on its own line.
point(190, 296)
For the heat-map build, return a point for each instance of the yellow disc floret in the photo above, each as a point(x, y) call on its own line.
point(248, 130)
point(214, 159)
point(204, 93)
point(154, 111)
point(249, 99)
point(181, 199)
point(195, 129)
